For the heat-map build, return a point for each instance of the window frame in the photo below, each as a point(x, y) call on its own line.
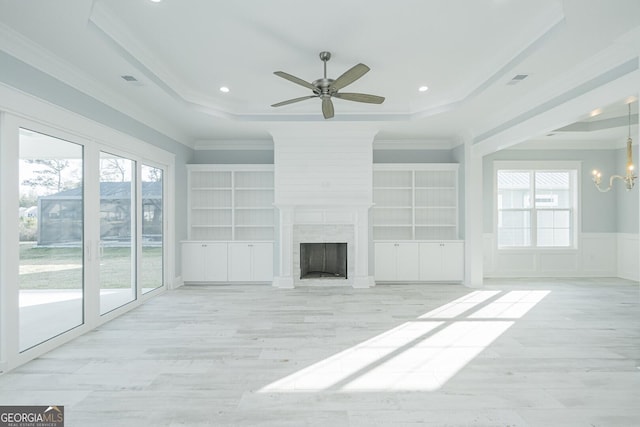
point(533, 166)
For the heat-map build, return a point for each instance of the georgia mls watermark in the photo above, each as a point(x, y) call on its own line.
point(31, 416)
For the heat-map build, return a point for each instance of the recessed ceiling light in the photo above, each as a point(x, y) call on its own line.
point(156, 1)
point(595, 112)
point(224, 89)
point(423, 88)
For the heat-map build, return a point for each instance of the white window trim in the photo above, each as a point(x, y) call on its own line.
point(546, 165)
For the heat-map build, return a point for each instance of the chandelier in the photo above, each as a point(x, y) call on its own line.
point(629, 178)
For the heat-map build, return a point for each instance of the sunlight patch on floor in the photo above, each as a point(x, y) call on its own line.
point(420, 355)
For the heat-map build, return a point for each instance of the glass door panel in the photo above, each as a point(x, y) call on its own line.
point(151, 262)
point(51, 222)
point(117, 231)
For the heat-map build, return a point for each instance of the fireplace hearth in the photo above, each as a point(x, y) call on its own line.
point(323, 260)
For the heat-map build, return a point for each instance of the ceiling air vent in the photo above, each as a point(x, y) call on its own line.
point(132, 80)
point(517, 79)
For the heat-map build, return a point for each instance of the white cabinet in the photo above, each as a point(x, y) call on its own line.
point(204, 262)
point(227, 262)
point(250, 262)
point(442, 261)
point(419, 261)
point(262, 262)
point(397, 261)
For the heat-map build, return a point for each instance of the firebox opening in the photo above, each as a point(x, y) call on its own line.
point(323, 260)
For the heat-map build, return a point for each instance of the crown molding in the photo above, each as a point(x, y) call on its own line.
point(36, 56)
point(540, 144)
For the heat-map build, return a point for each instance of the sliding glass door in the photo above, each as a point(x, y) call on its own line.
point(151, 262)
point(51, 227)
point(117, 232)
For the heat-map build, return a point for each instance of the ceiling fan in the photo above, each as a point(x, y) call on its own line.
point(325, 88)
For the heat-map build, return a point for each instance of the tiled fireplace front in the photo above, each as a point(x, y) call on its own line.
point(324, 225)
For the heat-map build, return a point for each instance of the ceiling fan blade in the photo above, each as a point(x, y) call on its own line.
point(291, 101)
point(350, 76)
point(296, 80)
point(327, 108)
point(360, 97)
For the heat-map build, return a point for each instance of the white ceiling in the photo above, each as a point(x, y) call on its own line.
point(181, 52)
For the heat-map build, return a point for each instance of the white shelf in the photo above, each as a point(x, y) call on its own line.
point(415, 202)
point(231, 202)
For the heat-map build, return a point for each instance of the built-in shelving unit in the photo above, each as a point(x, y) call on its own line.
point(415, 202)
point(231, 202)
point(415, 223)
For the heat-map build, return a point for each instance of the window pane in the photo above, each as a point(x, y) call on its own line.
point(561, 219)
point(51, 237)
point(152, 229)
point(514, 189)
point(514, 237)
point(545, 219)
point(561, 237)
point(553, 189)
point(117, 231)
point(515, 219)
point(545, 237)
point(554, 228)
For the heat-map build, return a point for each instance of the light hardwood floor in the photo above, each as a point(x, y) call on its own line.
point(561, 352)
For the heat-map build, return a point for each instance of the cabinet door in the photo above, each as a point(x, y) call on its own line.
point(192, 262)
point(385, 261)
point(431, 261)
point(239, 262)
point(262, 262)
point(408, 262)
point(453, 261)
point(215, 262)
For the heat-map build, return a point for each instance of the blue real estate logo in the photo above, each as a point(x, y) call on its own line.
point(31, 416)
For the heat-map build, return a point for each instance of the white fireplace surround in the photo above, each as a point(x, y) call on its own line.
point(305, 224)
point(324, 190)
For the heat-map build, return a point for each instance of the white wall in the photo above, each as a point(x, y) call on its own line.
point(323, 166)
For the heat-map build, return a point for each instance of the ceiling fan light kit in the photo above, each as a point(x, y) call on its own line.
point(325, 88)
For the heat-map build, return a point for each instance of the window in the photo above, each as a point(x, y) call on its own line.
point(536, 207)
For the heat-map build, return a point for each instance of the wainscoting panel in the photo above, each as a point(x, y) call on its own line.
point(515, 263)
point(628, 256)
point(599, 252)
point(557, 264)
point(598, 255)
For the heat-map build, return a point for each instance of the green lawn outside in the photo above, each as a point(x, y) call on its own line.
point(61, 268)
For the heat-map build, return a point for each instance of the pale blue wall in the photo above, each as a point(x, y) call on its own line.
point(412, 156)
point(627, 200)
point(599, 210)
point(24, 77)
point(233, 157)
